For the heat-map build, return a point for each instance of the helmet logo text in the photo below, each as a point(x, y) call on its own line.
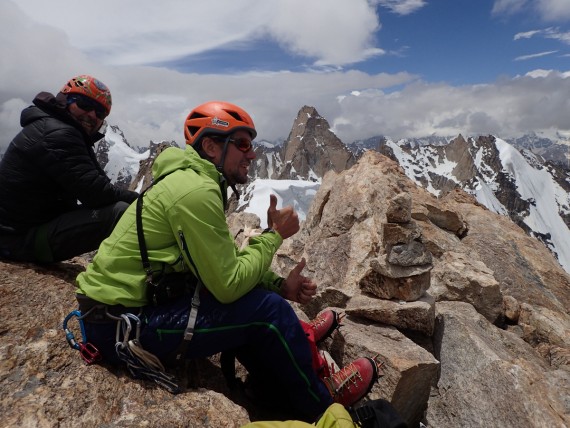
point(220, 122)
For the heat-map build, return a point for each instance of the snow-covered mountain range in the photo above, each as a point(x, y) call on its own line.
point(552, 147)
point(119, 160)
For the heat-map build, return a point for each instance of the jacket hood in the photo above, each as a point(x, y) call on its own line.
point(173, 159)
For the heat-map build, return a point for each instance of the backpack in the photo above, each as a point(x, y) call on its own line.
point(377, 414)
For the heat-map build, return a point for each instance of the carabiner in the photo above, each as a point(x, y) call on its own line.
point(88, 352)
point(124, 326)
point(69, 336)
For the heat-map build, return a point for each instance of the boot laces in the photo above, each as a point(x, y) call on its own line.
point(347, 377)
point(321, 320)
point(318, 321)
point(350, 375)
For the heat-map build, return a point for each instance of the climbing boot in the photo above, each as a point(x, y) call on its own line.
point(324, 324)
point(353, 381)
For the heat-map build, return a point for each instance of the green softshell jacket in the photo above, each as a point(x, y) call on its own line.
point(187, 198)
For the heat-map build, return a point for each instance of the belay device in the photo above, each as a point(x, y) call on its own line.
point(88, 352)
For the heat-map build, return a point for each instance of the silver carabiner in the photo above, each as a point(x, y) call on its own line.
point(124, 326)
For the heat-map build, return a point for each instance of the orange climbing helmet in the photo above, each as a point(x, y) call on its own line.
point(216, 118)
point(90, 87)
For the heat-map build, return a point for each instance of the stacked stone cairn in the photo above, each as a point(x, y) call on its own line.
point(396, 283)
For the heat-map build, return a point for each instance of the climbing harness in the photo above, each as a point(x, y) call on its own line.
point(141, 363)
point(88, 352)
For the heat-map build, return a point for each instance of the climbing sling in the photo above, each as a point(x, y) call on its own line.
point(141, 363)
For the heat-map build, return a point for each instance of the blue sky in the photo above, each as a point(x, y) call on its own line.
point(459, 42)
point(401, 68)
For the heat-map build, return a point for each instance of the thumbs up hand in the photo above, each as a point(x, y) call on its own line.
point(296, 287)
point(284, 221)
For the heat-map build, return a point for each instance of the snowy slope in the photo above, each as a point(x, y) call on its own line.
point(123, 161)
point(297, 193)
point(548, 199)
point(528, 179)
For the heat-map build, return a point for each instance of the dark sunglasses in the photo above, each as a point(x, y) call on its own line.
point(242, 144)
point(87, 104)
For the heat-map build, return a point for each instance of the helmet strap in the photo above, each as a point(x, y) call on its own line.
point(235, 190)
point(220, 166)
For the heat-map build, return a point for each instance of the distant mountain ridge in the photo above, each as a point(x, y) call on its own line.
point(489, 168)
point(555, 148)
point(310, 151)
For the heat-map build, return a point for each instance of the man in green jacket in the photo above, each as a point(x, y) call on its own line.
point(242, 303)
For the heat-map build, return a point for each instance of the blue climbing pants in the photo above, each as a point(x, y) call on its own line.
point(261, 325)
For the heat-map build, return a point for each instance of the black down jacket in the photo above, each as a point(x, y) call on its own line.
point(50, 168)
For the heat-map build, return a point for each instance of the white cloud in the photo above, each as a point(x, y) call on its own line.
point(539, 73)
point(138, 32)
point(339, 33)
point(561, 36)
point(402, 7)
point(548, 33)
point(508, 7)
point(533, 56)
point(505, 108)
point(527, 34)
point(554, 10)
point(547, 10)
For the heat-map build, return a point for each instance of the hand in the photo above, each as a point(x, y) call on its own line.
point(284, 221)
point(298, 288)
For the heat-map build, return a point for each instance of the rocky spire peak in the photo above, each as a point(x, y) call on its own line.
point(312, 148)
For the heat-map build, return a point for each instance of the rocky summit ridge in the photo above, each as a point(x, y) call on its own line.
point(467, 313)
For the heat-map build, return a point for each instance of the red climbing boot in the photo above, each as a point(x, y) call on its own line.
point(354, 381)
point(324, 324)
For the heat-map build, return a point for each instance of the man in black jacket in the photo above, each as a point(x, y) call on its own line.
point(56, 201)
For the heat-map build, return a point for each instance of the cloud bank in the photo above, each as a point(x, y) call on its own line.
point(150, 102)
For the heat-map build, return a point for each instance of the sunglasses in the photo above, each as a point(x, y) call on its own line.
point(87, 104)
point(242, 144)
